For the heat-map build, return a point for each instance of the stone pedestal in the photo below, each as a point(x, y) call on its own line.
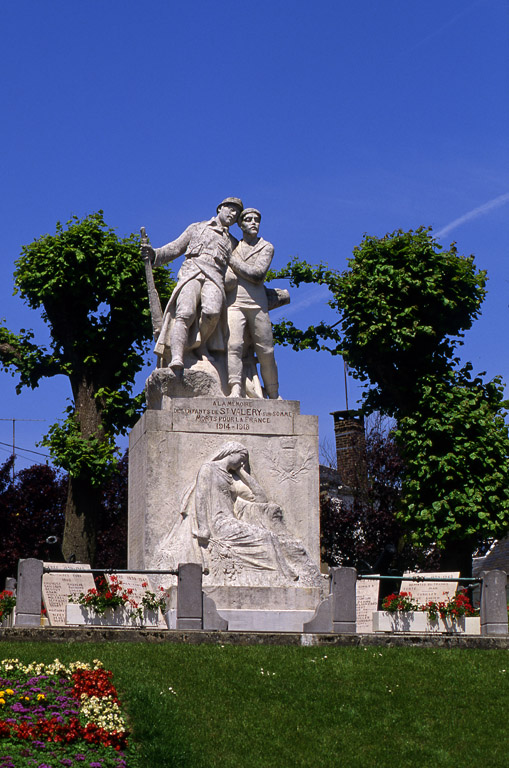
point(167, 449)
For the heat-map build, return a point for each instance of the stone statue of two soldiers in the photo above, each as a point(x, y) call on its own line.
point(220, 302)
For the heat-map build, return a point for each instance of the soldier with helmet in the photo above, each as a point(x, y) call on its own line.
point(192, 317)
point(248, 317)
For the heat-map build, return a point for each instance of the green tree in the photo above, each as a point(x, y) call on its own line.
point(90, 288)
point(455, 449)
point(31, 509)
point(405, 304)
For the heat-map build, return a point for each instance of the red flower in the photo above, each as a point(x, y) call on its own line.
point(95, 682)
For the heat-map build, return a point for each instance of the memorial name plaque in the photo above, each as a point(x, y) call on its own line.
point(235, 417)
point(135, 582)
point(56, 588)
point(367, 603)
point(430, 591)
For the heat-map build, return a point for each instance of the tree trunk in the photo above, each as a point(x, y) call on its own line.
point(83, 506)
point(82, 511)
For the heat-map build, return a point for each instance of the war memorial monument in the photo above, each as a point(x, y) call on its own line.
point(223, 471)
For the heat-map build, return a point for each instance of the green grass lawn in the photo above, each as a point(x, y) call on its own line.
point(202, 706)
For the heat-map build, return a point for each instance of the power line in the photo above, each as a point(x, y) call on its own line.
point(22, 458)
point(14, 439)
point(27, 450)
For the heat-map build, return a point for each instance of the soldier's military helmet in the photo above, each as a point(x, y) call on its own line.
point(245, 211)
point(232, 201)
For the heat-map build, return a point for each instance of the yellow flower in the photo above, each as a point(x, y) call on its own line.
point(2, 693)
point(9, 691)
point(2, 701)
point(40, 696)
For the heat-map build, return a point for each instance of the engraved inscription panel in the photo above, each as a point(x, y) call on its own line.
point(135, 582)
point(233, 416)
point(367, 602)
point(56, 588)
point(436, 591)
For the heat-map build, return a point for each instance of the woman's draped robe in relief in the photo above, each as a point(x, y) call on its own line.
point(242, 549)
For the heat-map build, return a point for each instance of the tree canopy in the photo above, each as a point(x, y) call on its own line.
point(455, 448)
point(89, 285)
point(32, 508)
point(404, 306)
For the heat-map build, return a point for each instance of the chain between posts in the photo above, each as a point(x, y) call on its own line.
point(108, 570)
point(420, 578)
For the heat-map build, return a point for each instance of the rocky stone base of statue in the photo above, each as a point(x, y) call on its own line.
point(231, 484)
point(198, 379)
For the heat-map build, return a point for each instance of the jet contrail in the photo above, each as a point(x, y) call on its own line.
point(444, 26)
point(480, 211)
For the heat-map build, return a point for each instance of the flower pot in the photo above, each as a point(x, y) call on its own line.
point(420, 622)
point(112, 617)
point(472, 625)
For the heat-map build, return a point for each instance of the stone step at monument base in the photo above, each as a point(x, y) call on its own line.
point(273, 599)
point(265, 598)
point(240, 620)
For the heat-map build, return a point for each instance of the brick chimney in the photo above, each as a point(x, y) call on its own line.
point(351, 448)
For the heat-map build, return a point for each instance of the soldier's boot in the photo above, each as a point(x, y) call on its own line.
point(270, 381)
point(207, 326)
point(178, 338)
point(235, 390)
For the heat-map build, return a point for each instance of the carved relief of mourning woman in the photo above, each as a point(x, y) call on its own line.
point(230, 526)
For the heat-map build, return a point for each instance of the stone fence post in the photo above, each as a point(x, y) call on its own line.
point(493, 603)
point(29, 593)
point(337, 613)
point(194, 609)
point(344, 604)
point(189, 596)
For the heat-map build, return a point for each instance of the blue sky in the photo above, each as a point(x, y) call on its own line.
point(334, 119)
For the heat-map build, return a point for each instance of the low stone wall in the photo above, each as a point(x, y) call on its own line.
point(197, 637)
point(336, 614)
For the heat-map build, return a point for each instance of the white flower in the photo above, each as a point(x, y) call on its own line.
point(103, 711)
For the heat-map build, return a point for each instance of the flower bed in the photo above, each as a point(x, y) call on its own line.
point(402, 614)
point(56, 715)
point(112, 603)
point(111, 617)
point(458, 605)
point(419, 622)
point(7, 607)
